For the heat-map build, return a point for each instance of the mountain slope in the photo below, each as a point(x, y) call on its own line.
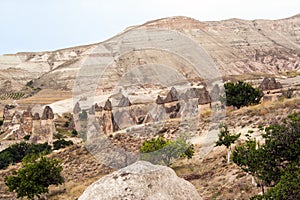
point(236, 46)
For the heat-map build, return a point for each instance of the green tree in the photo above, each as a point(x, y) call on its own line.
point(277, 162)
point(247, 156)
point(16, 152)
point(34, 178)
point(288, 188)
point(161, 151)
point(226, 139)
point(241, 94)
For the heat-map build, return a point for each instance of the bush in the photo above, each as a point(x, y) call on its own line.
point(5, 159)
point(58, 136)
point(241, 94)
point(26, 137)
point(35, 177)
point(29, 83)
point(61, 143)
point(161, 151)
point(74, 133)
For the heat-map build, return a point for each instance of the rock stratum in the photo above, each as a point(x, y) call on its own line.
point(236, 46)
point(141, 180)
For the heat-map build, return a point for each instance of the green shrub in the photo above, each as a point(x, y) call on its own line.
point(58, 136)
point(74, 133)
point(29, 83)
point(61, 143)
point(162, 151)
point(26, 137)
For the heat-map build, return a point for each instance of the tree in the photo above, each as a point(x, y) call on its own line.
point(161, 151)
point(226, 139)
point(287, 188)
point(34, 178)
point(241, 94)
point(277, 162)
point(16, 152)
point(247, 156)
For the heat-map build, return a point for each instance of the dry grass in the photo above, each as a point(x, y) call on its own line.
point(214, 179)
point(70, 190)
point(80, 169)
point(47, 96)
point(263, 114)
point(211, 176)
point(245, 77)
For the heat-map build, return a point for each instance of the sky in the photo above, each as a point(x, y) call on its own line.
point(41, 25)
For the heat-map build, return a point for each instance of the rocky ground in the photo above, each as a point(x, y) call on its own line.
point(212, 177)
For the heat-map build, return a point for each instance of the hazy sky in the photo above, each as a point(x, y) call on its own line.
point(39, 25)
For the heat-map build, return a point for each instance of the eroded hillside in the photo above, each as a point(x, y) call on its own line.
point(236, 46)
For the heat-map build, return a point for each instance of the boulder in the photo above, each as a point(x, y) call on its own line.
point(201, 93)
point(92, 110)
point(215, 93)
point(48, 113)
point(108, 105)
point(141, 180)
point(204, 97)
point(171, 97)
point(124, 102)
point(270, 84)
point(98, 108)
point(77, 108)
point(36, 116)
point(159, 100)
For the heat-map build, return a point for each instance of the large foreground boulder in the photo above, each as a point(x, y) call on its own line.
point(141, 180)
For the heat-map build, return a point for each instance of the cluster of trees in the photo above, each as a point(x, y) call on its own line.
point(16, 152)
point(161, 151)
point(37, 172)
point(275, 163)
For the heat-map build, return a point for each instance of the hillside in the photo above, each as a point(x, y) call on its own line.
point(236, 46)
point(162, 78)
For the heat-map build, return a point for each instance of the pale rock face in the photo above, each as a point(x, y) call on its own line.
point(141, 180)
point(236, 46)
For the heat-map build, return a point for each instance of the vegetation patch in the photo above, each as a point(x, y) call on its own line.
point(276, 163)
point(161, 151)
point(17, 152)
